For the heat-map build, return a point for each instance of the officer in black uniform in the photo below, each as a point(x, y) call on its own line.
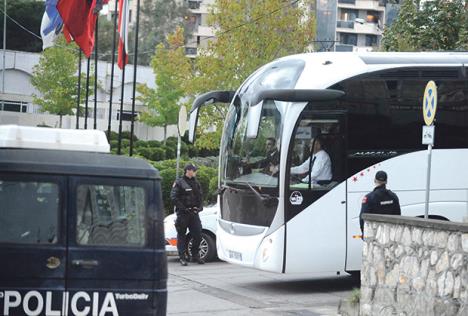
point(380, 200)
point(187, 196)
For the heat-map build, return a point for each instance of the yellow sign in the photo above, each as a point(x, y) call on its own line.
point(430, 103)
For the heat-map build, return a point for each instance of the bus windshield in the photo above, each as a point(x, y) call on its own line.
point(255, 161)
point(252, 161)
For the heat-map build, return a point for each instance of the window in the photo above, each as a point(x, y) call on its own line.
point(14, 106)
point(385, 115)
point(126, 115)
point(371, 40)
point(193, 5)
point(348, 14)
point(347, 38)
point(372, 17)
point(317, 134)
point(28, 212)
point(111, 215)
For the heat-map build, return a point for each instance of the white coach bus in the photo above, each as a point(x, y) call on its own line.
point(367, 108)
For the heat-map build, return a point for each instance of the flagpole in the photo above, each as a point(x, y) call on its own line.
point(112, 73)
point(95, 68)
point(119, 148)
point(87, 95)
point(135, 60)
point(79, 91)
point(4, 51)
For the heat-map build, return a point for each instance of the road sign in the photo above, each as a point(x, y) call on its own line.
point(430, 102)
point(428, 134)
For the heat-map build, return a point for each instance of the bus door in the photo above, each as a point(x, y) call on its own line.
point(32, 244)
point(112, 264)
point(316, 208)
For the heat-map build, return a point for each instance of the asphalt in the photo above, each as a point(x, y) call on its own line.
point(219, 288)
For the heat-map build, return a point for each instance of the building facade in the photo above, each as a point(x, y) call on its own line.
point(17, 106)
point(352, 25)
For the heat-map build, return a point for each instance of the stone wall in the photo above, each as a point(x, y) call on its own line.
point(413, 266)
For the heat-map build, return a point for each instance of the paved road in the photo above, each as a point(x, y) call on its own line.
point(220, 288)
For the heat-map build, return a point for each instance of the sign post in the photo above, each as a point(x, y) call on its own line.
point(429, 110)
point(182, 127)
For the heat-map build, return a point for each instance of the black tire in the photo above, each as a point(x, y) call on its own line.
point(207, 247)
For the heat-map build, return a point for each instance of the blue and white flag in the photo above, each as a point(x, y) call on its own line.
point(51, 24)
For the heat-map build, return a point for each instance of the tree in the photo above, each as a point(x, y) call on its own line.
point(28, 14)
point(158, 18)
point(55, 77)
point(429, 26)
point(173, 71)
point(248, 34)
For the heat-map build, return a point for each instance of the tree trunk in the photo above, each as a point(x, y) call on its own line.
point(60, 121)
point(165, 133)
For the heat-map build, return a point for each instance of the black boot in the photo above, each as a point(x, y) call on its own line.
point(182, 260)
point(198, 260)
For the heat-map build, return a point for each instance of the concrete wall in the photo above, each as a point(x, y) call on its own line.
point(413, 266)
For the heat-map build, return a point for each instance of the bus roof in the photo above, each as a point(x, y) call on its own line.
point(334, 67)
point(60, 162)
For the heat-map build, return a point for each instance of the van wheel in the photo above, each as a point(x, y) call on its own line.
point(207, 247)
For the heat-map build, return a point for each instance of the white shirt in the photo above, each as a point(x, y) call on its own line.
point(321, 169)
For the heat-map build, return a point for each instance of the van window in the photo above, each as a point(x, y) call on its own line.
point(28, 212)
point(111, 215)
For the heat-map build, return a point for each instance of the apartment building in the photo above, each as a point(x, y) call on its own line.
point(197, 22)
point(352, 25)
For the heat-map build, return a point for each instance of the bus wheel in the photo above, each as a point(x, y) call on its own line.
point(207, 247)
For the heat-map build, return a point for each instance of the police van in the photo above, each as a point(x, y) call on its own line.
point(81, 230)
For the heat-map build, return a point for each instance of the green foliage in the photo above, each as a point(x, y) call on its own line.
point(172, 70)
point(436, 25)
point(167, 180)
point(248, 35)
point(55, 78)
point(28, 13)
point(355, 296)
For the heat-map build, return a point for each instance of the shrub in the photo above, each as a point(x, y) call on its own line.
point(167, 180)
point(141, 143)
point(153, 143)
point(170, 152)
point(157, 154)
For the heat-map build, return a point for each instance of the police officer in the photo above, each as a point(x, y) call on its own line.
point(187, 196)
point(380, 200)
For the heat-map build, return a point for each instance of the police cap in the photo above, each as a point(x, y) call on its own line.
point(190, 166)
point(381, 176)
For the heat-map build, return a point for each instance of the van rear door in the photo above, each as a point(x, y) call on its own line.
point(32, 244)
point(111, 264)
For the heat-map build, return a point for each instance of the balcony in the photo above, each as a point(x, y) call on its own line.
point(345, 24)
point(361, 4)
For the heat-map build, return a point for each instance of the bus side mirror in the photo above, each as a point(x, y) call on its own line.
point(201, 100)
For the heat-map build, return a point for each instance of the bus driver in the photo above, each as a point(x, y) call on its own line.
point(320, 167)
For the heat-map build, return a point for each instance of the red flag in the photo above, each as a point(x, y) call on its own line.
point(79, 19)
point(122, 59)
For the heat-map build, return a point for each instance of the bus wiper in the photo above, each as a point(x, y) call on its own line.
point(267, 199)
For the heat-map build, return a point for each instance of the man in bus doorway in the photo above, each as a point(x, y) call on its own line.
point(320, 166)
point(380, 200)
point(187, 196)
